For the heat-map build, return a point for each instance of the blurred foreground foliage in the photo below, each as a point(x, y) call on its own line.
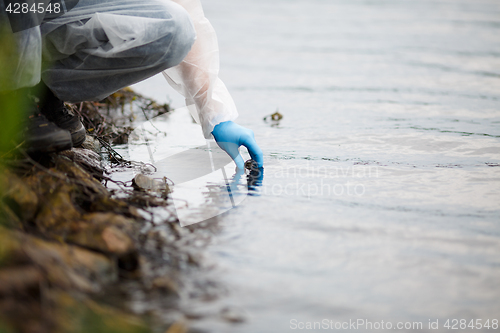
point(11, 108)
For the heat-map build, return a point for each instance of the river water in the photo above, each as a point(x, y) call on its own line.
point(381, 193)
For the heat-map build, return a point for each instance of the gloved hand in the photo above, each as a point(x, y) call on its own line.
point(230, 136)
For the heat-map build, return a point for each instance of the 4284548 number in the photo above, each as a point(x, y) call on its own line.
point(462, 324)
point(24, 8)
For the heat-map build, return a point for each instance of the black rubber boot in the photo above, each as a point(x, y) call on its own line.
point(43, 136)
point(55, 111)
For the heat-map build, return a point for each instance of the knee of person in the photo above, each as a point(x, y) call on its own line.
point(182, 36)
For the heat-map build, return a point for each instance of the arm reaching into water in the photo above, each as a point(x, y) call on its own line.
point(196, 78)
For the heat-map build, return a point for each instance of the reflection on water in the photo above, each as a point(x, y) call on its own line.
point(204, 181)
point(381, 192)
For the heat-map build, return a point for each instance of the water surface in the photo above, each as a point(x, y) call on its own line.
point(381, 192)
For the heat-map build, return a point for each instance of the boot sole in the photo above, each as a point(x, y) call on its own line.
point(49, 143)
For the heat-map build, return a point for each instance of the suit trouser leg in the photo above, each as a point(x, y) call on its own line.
point(101, 46)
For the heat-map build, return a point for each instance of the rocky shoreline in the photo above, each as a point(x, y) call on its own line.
point(74, 252)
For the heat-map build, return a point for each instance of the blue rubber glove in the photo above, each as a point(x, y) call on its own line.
point(230, 136)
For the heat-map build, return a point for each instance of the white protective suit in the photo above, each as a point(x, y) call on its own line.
point(100, 46)
point(196, 77)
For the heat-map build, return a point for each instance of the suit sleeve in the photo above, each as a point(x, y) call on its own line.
point(196, 77)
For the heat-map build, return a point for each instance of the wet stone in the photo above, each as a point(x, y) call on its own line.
point(167, 284)
point(233, 315)
point(92, 144)
point(251, 165)
point(87, 159)
point(145, 183)
point(276, 116)
point(83, 178)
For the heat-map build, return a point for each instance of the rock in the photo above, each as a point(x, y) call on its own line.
point(145, 183)
point(167, 284)
point(251, 165)
point(66, 165)
point(18, 196)
point(86, 158)
point(108, 219)
point(68, 192)
point(65, 171)
point(233, 315)
point(57, 210)
point(70, 266)
point(19, 280)
point(116, 241)
point(104, 232)
point(92, 144)
point(276, 116)
point(65, 266)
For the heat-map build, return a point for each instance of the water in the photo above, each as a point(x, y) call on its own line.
point(381, 193)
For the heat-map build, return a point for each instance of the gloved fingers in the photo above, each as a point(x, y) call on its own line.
point(232, 150)
point(229, 136)
point(239, 162)
point(237, 175)
point(255, 152)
